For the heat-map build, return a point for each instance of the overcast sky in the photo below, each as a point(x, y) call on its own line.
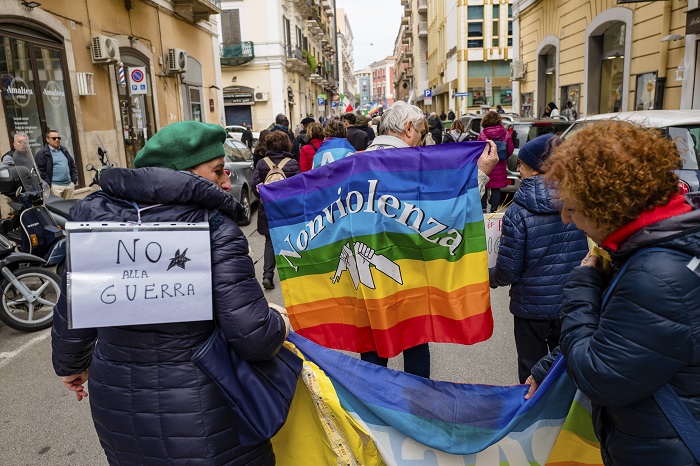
point(373, 22)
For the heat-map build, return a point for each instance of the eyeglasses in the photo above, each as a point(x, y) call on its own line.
point(227, 172)
point(57, 138)
point(423, 135)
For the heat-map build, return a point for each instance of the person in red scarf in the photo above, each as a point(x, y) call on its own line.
point(617, 183)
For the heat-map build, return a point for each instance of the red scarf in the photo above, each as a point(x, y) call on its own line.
point(676, 206)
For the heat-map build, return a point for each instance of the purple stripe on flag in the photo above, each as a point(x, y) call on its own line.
point(414, 159)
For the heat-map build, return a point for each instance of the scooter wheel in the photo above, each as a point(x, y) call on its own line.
point(35, 312)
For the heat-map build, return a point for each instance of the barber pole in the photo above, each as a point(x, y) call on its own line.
point(122, 76)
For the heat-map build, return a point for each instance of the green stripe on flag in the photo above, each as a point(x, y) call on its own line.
point(402, 246)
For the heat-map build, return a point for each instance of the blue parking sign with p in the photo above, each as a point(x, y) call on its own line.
point(428, 93)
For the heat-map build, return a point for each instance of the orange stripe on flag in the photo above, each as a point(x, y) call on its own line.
point(459, 304)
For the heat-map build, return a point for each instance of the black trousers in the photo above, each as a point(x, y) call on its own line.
point(534, 339)
point(494, 199)
point(269, 263)
point(416, 360)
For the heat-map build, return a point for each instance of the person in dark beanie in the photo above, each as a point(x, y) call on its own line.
point(301, 140)
point(144, 389)
point(536, 254)
point(356, 137)
point(278, 151)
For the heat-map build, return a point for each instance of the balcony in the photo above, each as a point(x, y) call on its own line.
point(405, 2)
point(327, 7)
point(422, 6)
point(409, 30)
point(196, 10)
point(313, 27)
point(409, 52)
point(423, 29)
point(236, 54)
point(405, 20)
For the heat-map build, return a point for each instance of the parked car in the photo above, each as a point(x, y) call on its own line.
point(236, 132)
point(472, 123)
point(682, 126)
point(523, 130)
point(239, 163)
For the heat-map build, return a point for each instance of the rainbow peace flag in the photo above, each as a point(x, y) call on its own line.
point(347, 411)
point(384, 250)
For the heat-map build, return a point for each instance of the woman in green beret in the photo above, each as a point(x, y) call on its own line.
point(149, 403)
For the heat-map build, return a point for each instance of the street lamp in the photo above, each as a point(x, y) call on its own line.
point(30, 5)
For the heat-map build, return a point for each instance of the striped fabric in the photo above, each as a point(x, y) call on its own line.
point(348, 411)
point(384, 250)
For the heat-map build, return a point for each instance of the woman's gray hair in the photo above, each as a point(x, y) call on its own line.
point(396, 117)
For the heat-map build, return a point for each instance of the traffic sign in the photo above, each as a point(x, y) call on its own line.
point(428, 93)
point(321, 101)
point(489, 87)
point(461, 94)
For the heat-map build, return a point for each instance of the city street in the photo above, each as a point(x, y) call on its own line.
point(43, 424)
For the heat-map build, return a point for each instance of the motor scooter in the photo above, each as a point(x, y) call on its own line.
point(29, 291)
point(31, 225)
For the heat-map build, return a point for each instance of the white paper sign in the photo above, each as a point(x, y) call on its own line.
point(122, 274)
point(492, 225)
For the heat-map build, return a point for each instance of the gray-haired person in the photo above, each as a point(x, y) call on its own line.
point(18, 140)
point(403, 125)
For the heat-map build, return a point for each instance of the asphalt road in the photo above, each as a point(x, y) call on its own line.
point(41, 423)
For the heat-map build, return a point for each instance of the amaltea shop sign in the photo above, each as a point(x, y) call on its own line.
point(20, 92)
point(53, 93)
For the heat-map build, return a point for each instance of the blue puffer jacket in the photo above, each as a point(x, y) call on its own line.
point(537, 252)
point(149, 403)
point(647, 335)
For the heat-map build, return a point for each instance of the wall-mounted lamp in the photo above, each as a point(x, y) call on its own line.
point(671, 37)
point(615, 55)
point(214, 87)
point(549, 71)
point(30, 5)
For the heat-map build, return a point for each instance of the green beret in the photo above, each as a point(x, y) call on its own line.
point(182, 145)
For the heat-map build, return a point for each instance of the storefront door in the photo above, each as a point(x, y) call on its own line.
point(35, 90)
point(135, 103)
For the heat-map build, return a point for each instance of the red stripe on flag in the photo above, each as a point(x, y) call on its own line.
point(406, 334)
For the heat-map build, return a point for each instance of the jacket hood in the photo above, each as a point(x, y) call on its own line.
point(681, 232)
point(495, 132)
point(154, 185)
point(279, 127)
point(534, 196)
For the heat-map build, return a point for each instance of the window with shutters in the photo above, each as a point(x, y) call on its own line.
point(231, 27)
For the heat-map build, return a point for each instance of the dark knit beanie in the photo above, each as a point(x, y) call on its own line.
point(535, 152)
point(182, 145)
point(307, 120)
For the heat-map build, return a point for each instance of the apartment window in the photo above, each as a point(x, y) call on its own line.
point(510, 31)
point(475, 12)
point(231, 27)
point(475, 33)
point(495, 31)
point(287, 35)
point(299, 38)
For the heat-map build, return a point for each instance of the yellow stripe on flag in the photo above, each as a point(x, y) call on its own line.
point(318, 430)
point(447, 276)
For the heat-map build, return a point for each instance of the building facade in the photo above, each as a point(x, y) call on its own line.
point(100, 73)
point(606, 56)
point(383, 82)
point(469, 50)
point(347, 83)
point(280, 57)
point(364, 87)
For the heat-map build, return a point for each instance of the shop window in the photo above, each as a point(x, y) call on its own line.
point(569, 102)
point(547, 72)
point(35, 88)
point(607, 51)
point(526, 101)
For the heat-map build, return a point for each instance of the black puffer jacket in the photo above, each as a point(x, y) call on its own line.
point(647, 335)
point(149, 403)
point(291, 168)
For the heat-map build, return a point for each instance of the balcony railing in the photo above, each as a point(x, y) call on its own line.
point(237, 54)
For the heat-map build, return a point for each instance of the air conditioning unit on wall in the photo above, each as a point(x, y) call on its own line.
point(261, 97)
point(517, 70)
point(104, 49)
point(177, 61)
